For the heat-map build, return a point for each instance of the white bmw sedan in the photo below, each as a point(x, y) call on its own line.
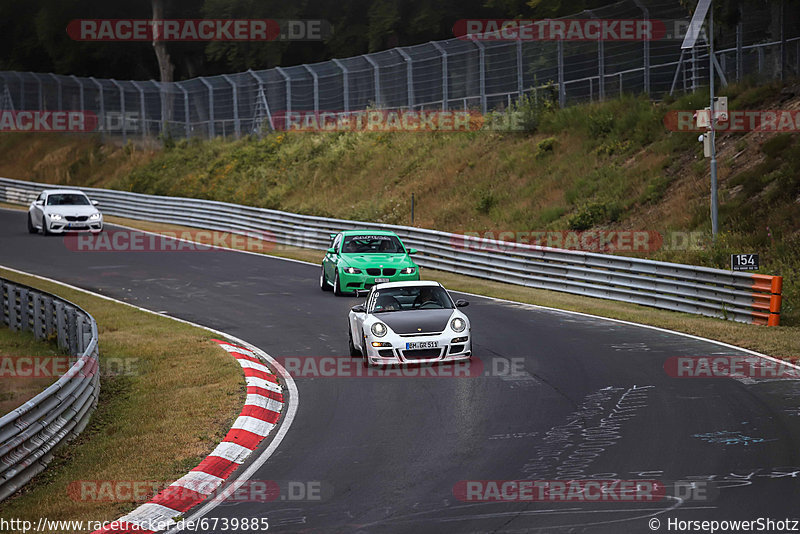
point(409, 322)
point(57, 211)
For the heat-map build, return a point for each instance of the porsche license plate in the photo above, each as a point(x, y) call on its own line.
point(379, 280)
point(422, 345)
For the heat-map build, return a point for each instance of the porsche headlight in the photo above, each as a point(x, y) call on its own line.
point(94, 217)
point(55, 217)
point(379, 329)
point(407, 270)
point(458, 324)
point(352, 270)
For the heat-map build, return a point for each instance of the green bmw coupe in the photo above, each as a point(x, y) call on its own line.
point(359, 259)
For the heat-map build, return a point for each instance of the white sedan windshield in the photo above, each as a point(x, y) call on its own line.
point(67, 199)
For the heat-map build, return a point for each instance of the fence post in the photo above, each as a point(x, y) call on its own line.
point(409, 77)
point(41, 93)
point(121, 109)
point(445, 88)
point(288, 81)
point(21, 90)
point(59, 96)
point(316, 87)
point(520, 80)
point(102, 119)
point(646, 50)
point(237, 128)
point(80, 91)
point(376, 80)
point(142, 110)
point(562, 93)
point(187, 126)
point(739, 60)
point(211, 132)
point(481, 70)
point(345, 85)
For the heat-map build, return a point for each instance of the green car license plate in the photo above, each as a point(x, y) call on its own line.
point(379, 280)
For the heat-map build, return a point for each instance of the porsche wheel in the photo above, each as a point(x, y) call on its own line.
point(364, 358)
point(354, 352)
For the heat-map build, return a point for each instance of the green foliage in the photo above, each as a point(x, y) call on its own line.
point(593, 214)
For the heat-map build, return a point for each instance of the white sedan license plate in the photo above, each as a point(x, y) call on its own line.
point(422, 345)
point(379, 280)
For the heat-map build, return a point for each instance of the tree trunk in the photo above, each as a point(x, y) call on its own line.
point(165, 66)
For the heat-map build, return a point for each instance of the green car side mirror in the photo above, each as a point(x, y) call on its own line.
point(412, 251)
point(331, 250)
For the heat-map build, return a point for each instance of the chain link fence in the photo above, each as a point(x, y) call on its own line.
point(453, 74)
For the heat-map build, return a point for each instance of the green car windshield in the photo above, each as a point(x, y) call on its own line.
point(372, 244)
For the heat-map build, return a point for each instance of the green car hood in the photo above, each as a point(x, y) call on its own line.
point(365, 261)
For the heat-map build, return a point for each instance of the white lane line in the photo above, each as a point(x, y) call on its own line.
point(292, 402)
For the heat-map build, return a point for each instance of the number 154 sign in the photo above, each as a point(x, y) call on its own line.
point(744, 262)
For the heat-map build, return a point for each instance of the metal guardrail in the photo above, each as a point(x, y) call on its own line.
point(738, 296)
point(29, 434)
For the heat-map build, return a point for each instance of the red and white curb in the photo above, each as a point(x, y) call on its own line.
point(259, 416)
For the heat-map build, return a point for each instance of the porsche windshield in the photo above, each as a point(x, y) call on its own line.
point(411, 298)
point(67, 199)
point(372, 244)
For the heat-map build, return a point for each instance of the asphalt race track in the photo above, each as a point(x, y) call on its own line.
point(388, 452)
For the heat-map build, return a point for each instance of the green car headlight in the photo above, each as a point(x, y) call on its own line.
point(408, 270)
point(352, 270)
point(379, 329)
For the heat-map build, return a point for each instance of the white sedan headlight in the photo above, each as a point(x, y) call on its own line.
point(55, 217)
point(379, 329)
point(458, 324)
point(94, 217)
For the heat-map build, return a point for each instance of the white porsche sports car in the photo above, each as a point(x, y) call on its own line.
point(409, 322)
point(57, 211)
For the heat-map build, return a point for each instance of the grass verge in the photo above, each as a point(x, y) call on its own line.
point(175, 402)
point(18, 381)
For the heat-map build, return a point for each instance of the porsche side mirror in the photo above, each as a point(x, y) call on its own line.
point(360, 308)
point(461, 303)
